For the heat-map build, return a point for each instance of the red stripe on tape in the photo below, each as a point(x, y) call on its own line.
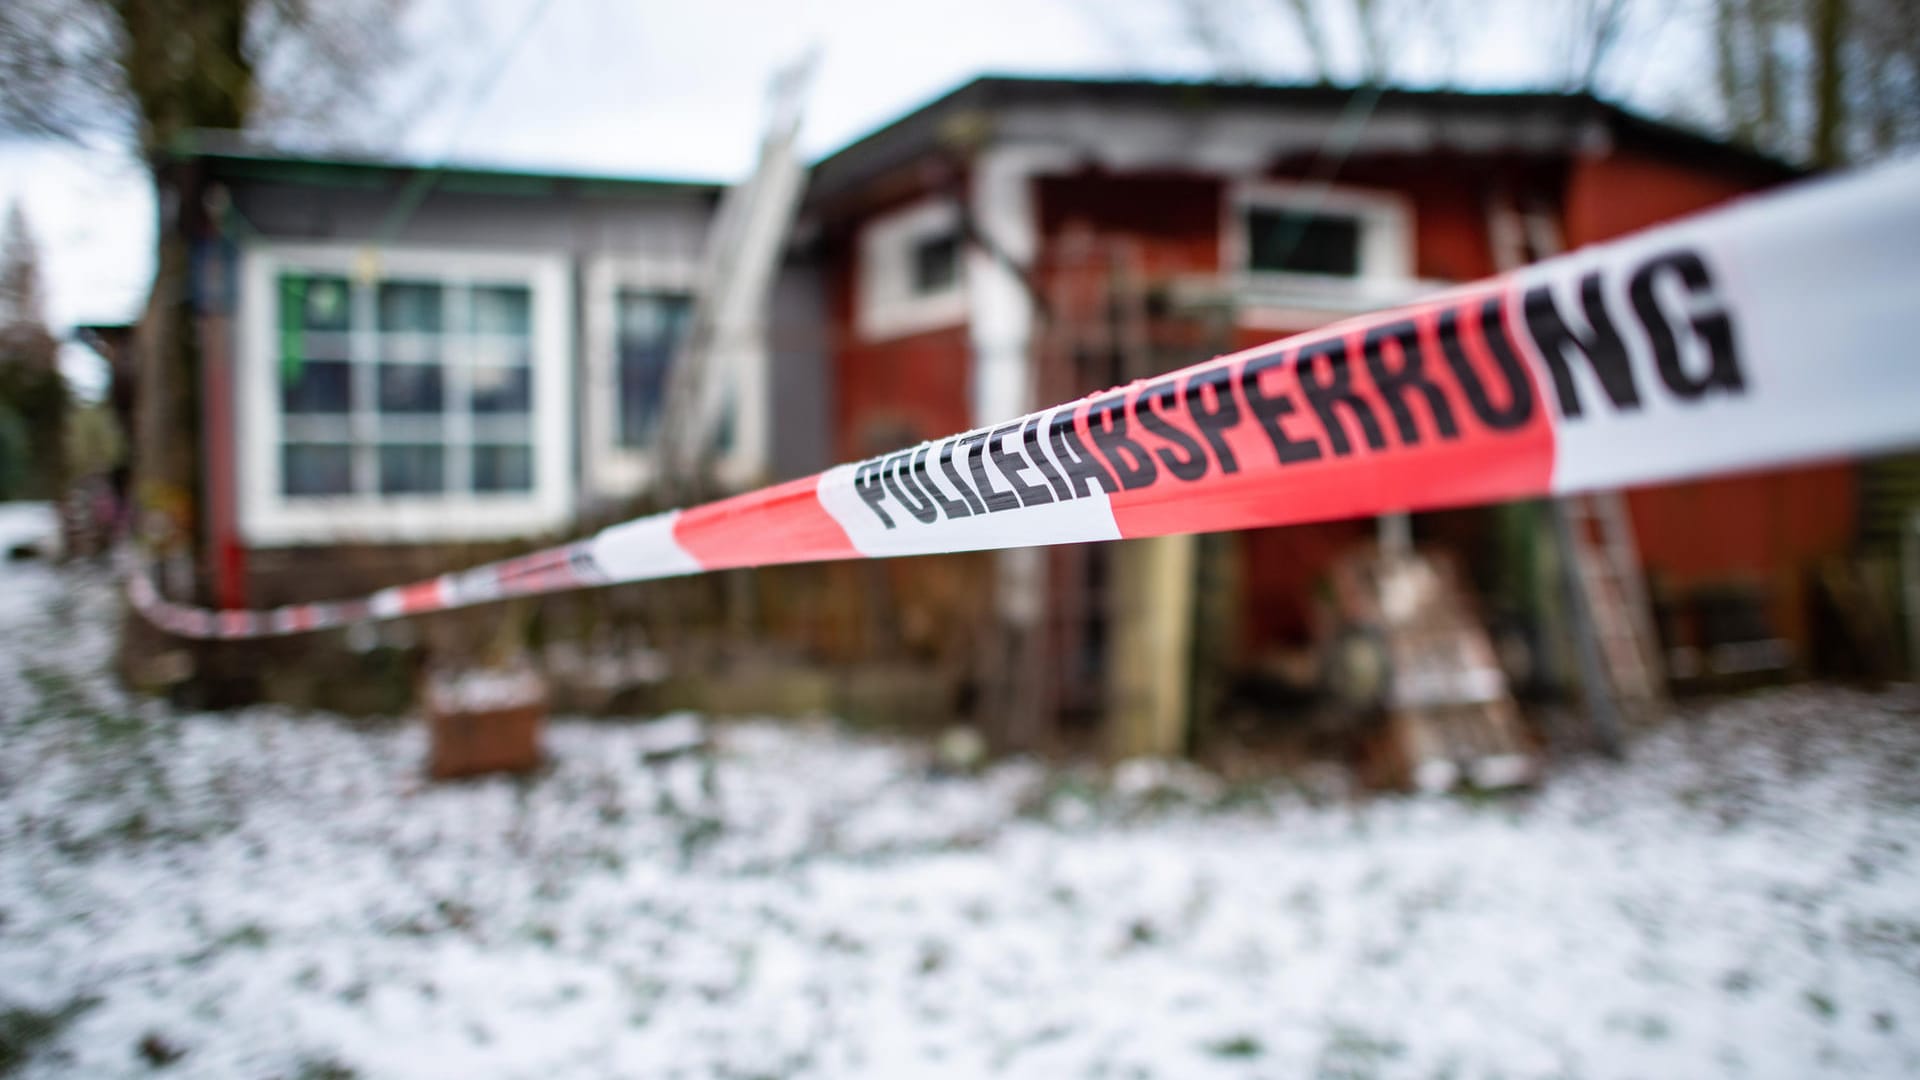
point(1436, 409)
point(781, 524)
point(424, 596)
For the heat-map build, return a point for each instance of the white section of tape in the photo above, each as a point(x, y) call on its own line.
point(1820, 287)
point(641, 549)
point(384, 604)
point(1073, 521)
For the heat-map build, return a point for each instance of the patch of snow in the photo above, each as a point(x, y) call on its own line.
point(31, 524)
point(484, 690)
point(1503, 771)
point(679, 733)
point(270, 892)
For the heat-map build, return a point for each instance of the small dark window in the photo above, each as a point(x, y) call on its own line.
point(936, 263)
point(648, 331)
point(1289, 241)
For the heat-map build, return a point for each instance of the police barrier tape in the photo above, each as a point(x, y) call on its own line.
point(1775, 330)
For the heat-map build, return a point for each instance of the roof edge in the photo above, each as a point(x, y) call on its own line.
point(993, 89)
point(238, 149)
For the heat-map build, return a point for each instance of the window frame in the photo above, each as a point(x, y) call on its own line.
point(1385, 271)
point(613, 470)
point(269, 517)
point(886, 303)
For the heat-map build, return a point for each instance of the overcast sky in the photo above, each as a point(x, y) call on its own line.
point(677, 89)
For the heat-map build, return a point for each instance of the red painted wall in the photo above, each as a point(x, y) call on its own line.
point(1625, 191)
point(897, 391)
point(1745, 527)
point(1762, 528)
point(1173, 220)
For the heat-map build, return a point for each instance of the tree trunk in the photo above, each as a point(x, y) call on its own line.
point(1829, 79)
point(165, 442)
point(167, 424)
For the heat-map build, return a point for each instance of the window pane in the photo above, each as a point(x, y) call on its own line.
point(936, 263)
point(413, 306)
point(315, 312)
point(723, 437)
point(411, 388)
point(503, 468)
point(650, 327)
point(1300, 243)
point(308, 469)
point(502, 309)
point(312, 302)
point(415, 469)
point(316, 386)
point(502, 389)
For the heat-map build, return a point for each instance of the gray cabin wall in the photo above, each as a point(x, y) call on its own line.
point(581, 220)
point(799, 380)
point(570, 220)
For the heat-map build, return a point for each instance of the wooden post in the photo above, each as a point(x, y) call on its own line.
point(1150, 659)
point(1026, 720)
point(1395, 532)
point(1910, 588)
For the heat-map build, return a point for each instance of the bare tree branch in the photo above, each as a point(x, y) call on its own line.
point(1220, 38)
point(57, 69)
point(1307, 19)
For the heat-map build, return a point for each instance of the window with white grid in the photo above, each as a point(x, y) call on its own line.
point(404, 395)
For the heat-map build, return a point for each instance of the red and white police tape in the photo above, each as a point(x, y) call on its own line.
point(1777, 329)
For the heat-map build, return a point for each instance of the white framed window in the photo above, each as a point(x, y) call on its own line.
point(912, 271)
point(639, 310)
point(402, 395)
point(1306, 247)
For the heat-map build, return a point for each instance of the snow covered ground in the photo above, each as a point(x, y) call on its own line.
point(278, 895)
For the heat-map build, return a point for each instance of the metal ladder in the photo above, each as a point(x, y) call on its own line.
point(1613, 584)
point(1612, 617)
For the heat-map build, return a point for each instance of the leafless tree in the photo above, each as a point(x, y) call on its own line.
point(1383, 33)
point(150, 73)
point(33, 395)
point(1590, 31)
point(1363, 41)
point(21, 303)
point(1825, 81)
point(151, 70)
